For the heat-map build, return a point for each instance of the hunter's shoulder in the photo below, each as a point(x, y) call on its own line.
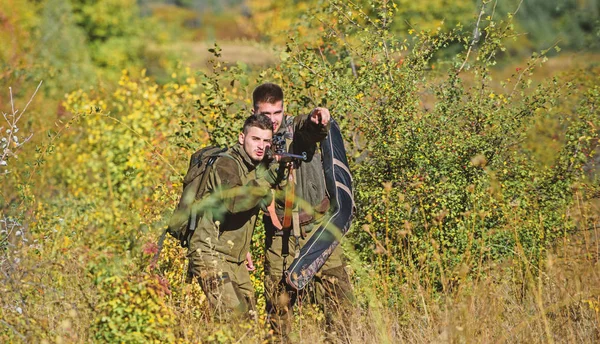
point(226, 161)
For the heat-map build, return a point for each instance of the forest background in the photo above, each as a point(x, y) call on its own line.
point(472, 134)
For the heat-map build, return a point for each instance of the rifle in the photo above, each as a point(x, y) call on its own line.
point(279, 152)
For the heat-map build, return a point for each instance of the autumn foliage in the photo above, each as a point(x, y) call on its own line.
point(476, 176)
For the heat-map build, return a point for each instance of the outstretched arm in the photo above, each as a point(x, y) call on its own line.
point(320, 116)
point(312, 128)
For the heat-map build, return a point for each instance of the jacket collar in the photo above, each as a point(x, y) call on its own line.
point(283, 126)
point(239, 150)
point(286, 127)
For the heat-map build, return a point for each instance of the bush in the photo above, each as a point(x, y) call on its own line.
point(132, 309)
point(442, 182)
point(446, 182)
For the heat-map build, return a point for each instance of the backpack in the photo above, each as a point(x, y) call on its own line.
point(183, 222)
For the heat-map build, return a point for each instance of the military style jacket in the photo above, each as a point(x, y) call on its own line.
point(303, 136)
point(233, 196)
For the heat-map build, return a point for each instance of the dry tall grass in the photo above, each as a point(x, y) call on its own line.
point(508, 302)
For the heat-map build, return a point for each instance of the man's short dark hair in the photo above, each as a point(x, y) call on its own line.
point(266, 93)
point(259, 121)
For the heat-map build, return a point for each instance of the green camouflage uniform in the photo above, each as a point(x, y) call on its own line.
point(218, 247)
point(331, 287)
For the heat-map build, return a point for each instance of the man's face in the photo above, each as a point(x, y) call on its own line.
point(256, 142)
point(273, 111)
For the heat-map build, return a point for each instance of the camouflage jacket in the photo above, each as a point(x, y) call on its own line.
point(233, 196)
point(303, 136)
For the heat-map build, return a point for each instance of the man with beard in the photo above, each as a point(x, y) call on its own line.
point(225, 208)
